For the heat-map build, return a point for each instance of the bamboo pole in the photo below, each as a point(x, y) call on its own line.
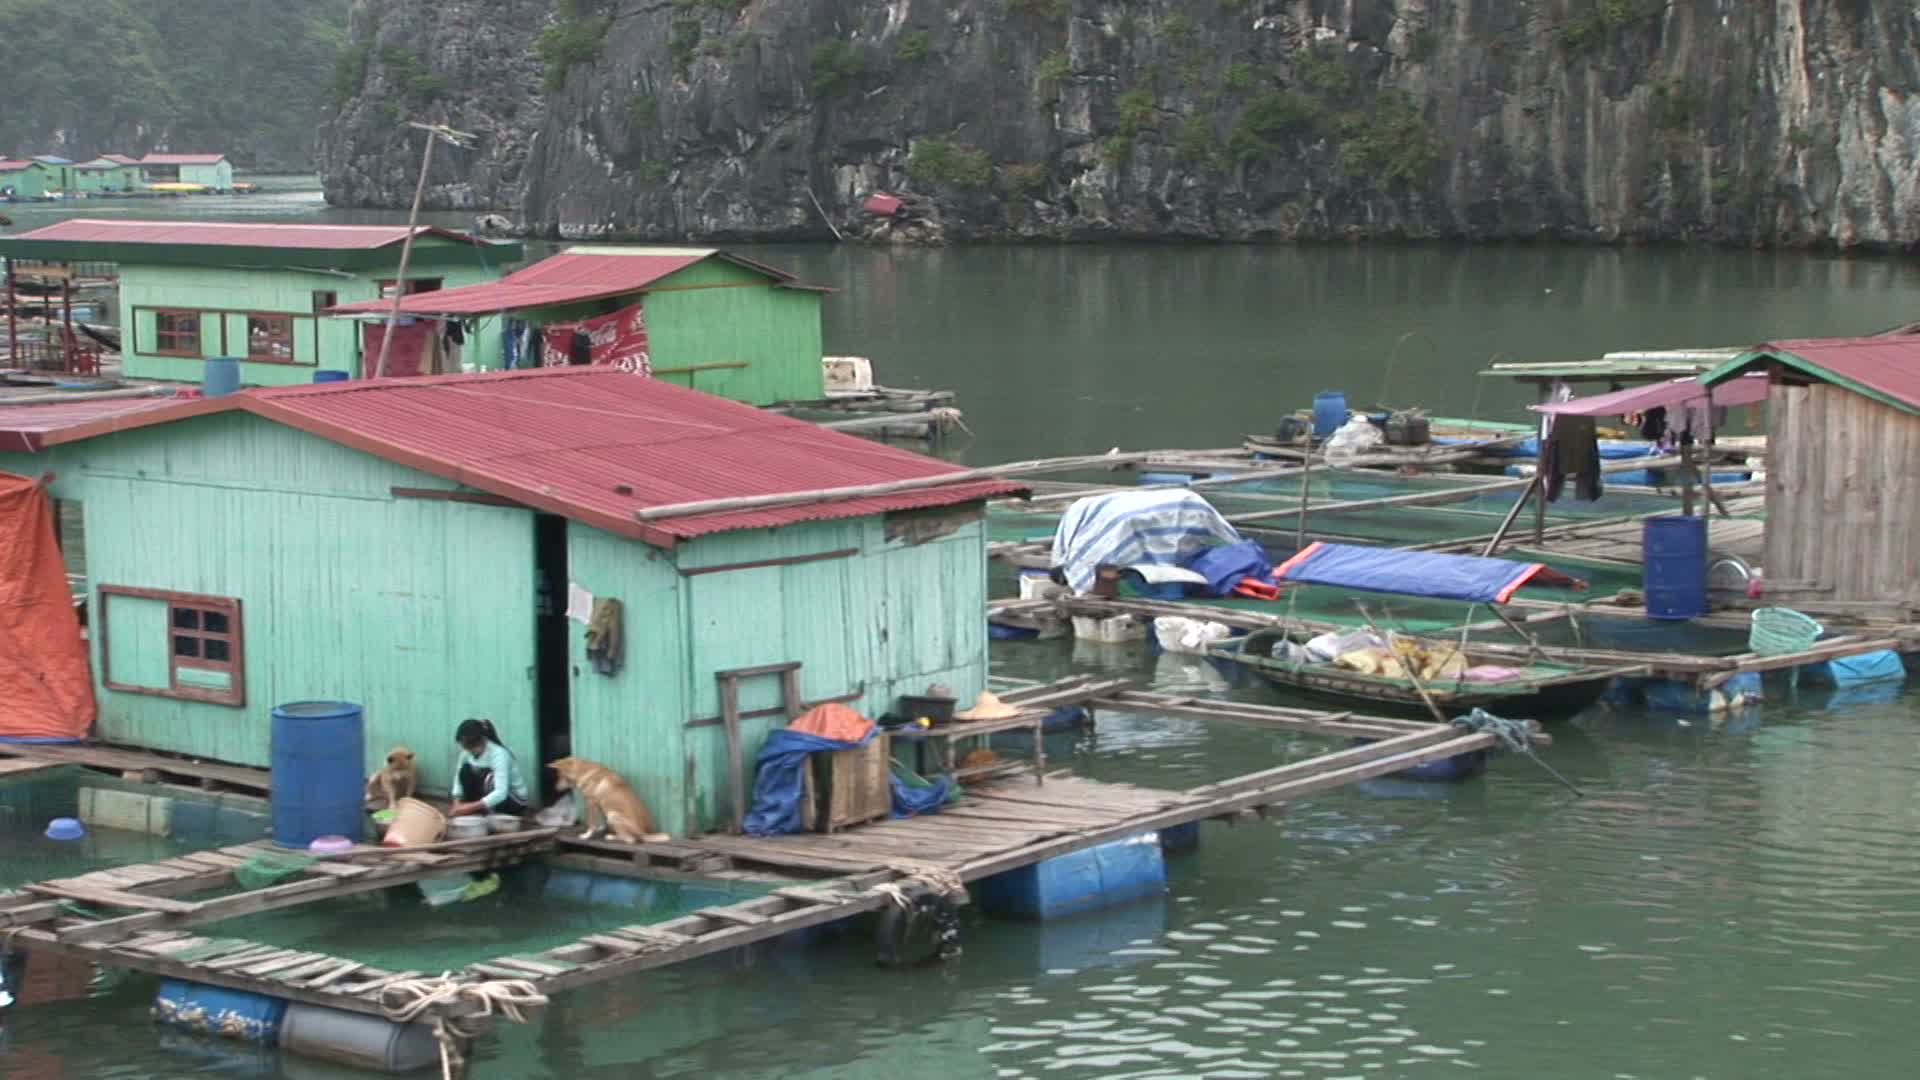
point(918, 483)
point(406, 254)
point(1532, 489)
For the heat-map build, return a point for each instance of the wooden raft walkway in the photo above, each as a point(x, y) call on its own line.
point(153, 934)
point(990, 830)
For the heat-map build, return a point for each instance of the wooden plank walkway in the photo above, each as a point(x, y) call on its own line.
point(129, 760)
point(147, 926)
point(990, 830)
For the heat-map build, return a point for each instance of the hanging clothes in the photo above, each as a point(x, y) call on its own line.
point(1653, 424)
point(1572, 451)
point(1559, 392)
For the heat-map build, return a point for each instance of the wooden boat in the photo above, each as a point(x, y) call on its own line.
point(1541, 690)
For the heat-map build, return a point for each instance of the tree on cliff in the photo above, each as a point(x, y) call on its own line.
point(245, 77)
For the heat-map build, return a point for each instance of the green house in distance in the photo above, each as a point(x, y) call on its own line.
point(21, 179)
point(212, 171)
point(193, 290)
point(108, 174)
point(431, 548)
point(701, 318)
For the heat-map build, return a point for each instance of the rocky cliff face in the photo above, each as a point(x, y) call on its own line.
point(1738, 121)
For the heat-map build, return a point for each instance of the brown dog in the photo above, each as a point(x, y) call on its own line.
point(611, 803)
point(397, 781)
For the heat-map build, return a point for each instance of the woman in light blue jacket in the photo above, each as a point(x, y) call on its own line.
point(488, 779)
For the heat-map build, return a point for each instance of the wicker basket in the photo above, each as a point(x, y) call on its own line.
point(1777, 631)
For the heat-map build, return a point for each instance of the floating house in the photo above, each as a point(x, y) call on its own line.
point(1843, 436)
point(192, 290)
point(57, 172)
point(107, 174)
point(696, 317)
point(433, 548)
point(21, 179)
point(212, 171)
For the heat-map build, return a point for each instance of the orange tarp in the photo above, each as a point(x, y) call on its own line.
point(833, 721)
point(46, 687)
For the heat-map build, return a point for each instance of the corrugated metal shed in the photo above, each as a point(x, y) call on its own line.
point(1886, 369)
point(24, 428)
point(591, 444)
point(573, 276)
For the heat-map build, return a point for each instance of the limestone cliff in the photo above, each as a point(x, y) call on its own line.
point(1738, 121)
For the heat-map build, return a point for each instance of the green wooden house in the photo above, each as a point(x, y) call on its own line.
point(108, 174)
point(415, 545)
point(21, 179)
point(697, 317)
point(190, 290)
point(212, 171)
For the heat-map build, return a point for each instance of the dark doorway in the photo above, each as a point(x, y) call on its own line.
point(553, 668)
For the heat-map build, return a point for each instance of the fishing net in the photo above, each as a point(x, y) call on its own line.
point(270, 868)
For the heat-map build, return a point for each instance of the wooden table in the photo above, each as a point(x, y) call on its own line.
point(945, 736)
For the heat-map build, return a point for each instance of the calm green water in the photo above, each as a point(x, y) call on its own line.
point(1734, 900)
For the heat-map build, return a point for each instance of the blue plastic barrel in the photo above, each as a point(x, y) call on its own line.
point(1329, 412)
point(1676, 567)
point(217, 1011)
point(1095, 877)
point(222, 377)
point(329, 375)
point(319, 790)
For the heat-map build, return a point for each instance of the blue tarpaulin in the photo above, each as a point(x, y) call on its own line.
point(1224, 566)
point(1416, 573)
point(777, 783)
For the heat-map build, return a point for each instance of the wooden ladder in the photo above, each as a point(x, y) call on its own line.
point(790, 704)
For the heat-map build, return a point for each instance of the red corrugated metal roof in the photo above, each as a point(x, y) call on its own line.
point(10, 165)
point(233, 234)
point(24, 428)
point(183, 159)
point(595, 445)
point(573, 276)
point(1884, 367)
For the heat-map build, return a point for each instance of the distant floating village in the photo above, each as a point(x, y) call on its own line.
point(48, 177)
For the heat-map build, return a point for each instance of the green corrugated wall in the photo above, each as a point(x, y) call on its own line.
point(419, 610)
point(318, 343)
point(738, 317)
point(890, 620)
point(422, 610)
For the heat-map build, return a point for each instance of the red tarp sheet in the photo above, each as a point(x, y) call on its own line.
point(46, 686)
point(409, 355)
point(619, 340)
point(1746, 390)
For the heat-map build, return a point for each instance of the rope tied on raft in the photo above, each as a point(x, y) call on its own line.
point(406, 1001)
point(1512, 735)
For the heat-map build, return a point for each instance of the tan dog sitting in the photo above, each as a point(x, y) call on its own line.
point(611, 803)
point(395, 782)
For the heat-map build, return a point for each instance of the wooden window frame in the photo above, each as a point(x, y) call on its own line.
point(287, 338)
point(234, 666)
point(160, 335)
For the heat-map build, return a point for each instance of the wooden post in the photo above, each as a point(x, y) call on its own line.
point(1706, 478)
point(406, 253)
point(736, 768)
point(1540, 466)
point(66, 309)
point(13, 322)
point(1306, 488)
